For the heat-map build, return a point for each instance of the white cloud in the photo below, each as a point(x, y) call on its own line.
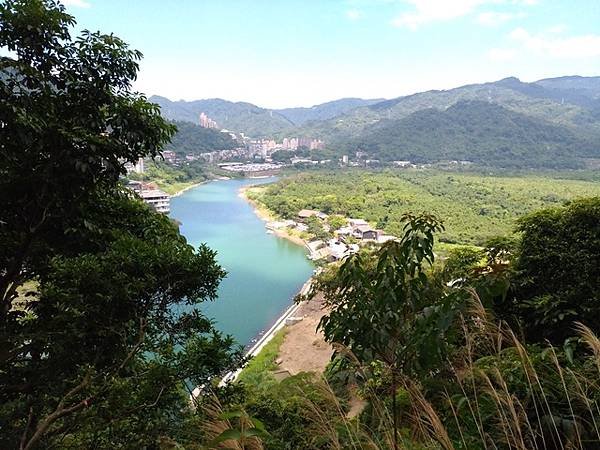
point(353, 14)
point(501, 54)
point(493, 18)
point(557, 29)
point(76, 3)
point(428, 11)
point(568, 47)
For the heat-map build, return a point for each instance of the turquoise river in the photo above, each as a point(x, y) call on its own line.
point(264, 272)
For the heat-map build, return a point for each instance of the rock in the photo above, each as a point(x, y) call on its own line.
point(293, 320)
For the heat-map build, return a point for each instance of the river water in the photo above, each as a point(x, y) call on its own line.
point(264, 272)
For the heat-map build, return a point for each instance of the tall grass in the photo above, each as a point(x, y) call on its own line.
point(502, 394)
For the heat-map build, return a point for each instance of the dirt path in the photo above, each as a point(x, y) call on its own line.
point(305, 350)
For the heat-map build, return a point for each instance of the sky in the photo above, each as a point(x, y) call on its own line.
point(285, 53)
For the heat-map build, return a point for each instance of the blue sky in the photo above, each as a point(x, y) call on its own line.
point(279, 53)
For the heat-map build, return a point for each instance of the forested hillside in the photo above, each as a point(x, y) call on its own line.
point(473, 207)
point(191, 138)
point(481, 132)
point(299, 116)
point(239, 117)
point(567, 106)
point(551, 123)
point(546, 124)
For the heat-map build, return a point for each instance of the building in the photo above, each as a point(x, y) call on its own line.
point(364, 232)
point(157, 199)
point(138, 167)
point(207, 122)
point(306, 213)
point(169, 156)
point(357, 222)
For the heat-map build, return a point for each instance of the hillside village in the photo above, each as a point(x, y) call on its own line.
point(327, 240)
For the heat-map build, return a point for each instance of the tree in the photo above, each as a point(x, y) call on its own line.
point(336, 221)
point(558, 271)
point(100, 332)
point(462, 261)
point(315, 228)
point(388, 309)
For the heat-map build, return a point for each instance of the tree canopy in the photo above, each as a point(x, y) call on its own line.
point(101, 337)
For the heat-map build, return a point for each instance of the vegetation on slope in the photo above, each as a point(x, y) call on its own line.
point(239, 117)
point(101, 333)
point(172, 179)
point(433, 358)
point(193, 139)
point(575, 107)
point(473, 207)
point(481, 132)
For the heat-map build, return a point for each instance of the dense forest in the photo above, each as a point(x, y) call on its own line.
point(102, 335)
point(193, 139)
point(481, 132)
point(473, 206)
point(239, 117)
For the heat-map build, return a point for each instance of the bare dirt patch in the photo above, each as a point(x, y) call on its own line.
point(303, 349)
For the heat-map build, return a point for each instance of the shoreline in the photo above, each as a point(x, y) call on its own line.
point(264, 338)
point(256, 348)
point(187, 188)
point(267, 216)
point(199, 183)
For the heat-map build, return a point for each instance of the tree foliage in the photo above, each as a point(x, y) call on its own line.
point(474, 207)
point(100, 331)
point(558, 270)
point(193, 139)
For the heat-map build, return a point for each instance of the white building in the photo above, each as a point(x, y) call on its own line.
point(158, 199)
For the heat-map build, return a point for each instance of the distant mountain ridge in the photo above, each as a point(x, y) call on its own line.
point(254, 120)
point(563, 112)
point(323, 111)
point(235, 116)
point(481, 132)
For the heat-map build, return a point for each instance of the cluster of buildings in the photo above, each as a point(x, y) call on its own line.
point(207, 122)
point(345, 241)
point(266, 147)
point(152, 196)
point(253, 168)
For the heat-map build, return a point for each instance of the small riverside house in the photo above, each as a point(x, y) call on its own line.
point(365, 232)
point(304, 214)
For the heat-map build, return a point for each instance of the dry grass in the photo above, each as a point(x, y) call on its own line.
point(557, 411)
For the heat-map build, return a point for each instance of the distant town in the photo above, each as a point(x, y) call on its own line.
point(255, 157)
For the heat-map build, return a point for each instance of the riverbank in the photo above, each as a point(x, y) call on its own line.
point(192, 185)
point(253, 351)
point(302, 349)
point(268, 216)
point(187, 188)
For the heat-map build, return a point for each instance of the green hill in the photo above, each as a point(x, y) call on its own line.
point(324, 111)
point(238, 117)
point(191, 138)
point(481, 132)
point(527, 98)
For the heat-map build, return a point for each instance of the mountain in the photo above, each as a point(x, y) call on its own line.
point(299, 116)
point(587, 86)
point(482, 132)
point(238, 117)
point(192, 138)
point(548, 123)
point(573, 108)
